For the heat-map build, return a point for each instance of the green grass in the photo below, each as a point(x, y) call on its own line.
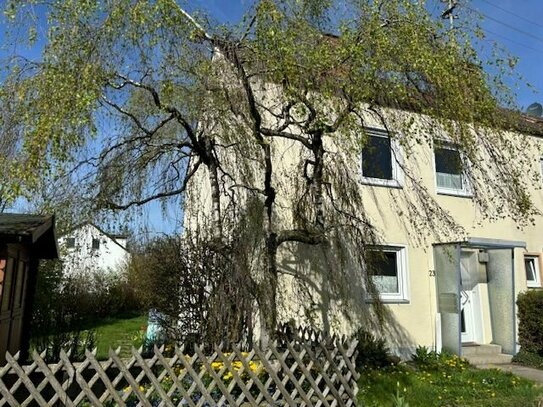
point(453, 383)
point(115, 332)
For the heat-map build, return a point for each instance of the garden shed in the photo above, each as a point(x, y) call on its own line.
point(24, 240)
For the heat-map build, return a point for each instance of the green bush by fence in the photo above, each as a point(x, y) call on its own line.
point(530, 314)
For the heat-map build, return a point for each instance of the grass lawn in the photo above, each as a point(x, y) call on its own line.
point(451, 383)
point(115, 332)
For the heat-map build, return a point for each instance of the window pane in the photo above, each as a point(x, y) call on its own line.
point(529, 265)
point(376, 158)
point(95, 243)
point(449, 181)
point(448, 161)
point(385, 274)
point(70, 242)
point(448, 168)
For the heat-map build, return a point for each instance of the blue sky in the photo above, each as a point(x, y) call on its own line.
point(515, 24)
point(518, 26)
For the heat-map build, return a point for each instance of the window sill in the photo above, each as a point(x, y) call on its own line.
point(454, 192)
point(378, 182)
point(533, 285)
point(390, 301)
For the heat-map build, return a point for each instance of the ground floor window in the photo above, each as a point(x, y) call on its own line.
point(388, 271)
point(531, 265)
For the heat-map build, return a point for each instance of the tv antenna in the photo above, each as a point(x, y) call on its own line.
point(448, 13)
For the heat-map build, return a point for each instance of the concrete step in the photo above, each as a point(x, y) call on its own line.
point(497, 359)
point(486, 349)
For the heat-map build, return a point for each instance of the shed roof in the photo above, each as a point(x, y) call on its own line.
point(37, 231)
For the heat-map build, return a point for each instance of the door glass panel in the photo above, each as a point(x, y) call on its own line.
point(447, 268)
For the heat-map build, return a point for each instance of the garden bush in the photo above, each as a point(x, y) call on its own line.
point(372, 352)
point(430, 360)
point(65, 306)
point(530, 306)
point(528, 359)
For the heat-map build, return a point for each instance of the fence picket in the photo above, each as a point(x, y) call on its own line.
point(323, 369)
point(105, 379)
point(309, 369)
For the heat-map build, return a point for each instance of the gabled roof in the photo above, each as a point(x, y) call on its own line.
point(37, 231)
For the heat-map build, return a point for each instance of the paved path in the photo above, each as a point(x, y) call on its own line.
point(527, 372)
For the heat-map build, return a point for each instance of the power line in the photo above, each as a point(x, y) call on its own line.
point(506, 25)
point(511, 40)
point(513, 13)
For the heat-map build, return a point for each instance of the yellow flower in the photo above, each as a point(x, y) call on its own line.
point(217, 365)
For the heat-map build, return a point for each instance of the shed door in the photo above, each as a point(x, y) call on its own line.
point(12, 305)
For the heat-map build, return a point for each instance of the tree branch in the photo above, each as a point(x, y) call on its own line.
point(164, 194)
point(300, 236)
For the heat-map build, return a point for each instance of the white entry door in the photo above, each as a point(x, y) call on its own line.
point(467, 326)
point(468, 297)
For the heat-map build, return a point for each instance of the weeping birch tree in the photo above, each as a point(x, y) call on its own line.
point(138, 101)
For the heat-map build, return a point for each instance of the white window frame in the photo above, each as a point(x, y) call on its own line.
point(466, 188)
point(402, 296)
point(536, 262)
point(395, 159)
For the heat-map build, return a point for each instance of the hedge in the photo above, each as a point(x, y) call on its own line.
point(530, 314)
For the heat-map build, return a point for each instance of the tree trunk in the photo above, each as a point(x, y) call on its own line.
point(213, 166)
point(268, 290)
point(318, 154)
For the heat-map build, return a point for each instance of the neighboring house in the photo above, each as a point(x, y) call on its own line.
point(88, 248)
point(441, 288)
point(24, 239)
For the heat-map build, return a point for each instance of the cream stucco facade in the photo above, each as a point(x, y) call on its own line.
point(398, 215)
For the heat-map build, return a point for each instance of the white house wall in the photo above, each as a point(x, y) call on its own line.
point(110, 257)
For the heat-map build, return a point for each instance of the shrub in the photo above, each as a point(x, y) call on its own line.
point(528, 359)
point(372, 352)
point(424, 357)
point(64, 307)
point(427, 359)
point(530, 316)
point(74, 343)
point(201, 295)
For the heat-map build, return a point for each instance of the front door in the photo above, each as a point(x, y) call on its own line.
point(467, 326)
point(468, 296)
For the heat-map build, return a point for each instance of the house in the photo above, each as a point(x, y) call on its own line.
point(87, 248)
point(24, 240)
point(451, 284)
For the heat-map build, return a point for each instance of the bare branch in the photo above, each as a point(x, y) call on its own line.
point(300, 236)
point(164, 194)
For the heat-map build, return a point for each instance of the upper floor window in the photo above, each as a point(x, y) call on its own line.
point(95, 243)
point(388, 270)
point(379, 161)
point(450, 177)
point(531, 265)
point(70, 242)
